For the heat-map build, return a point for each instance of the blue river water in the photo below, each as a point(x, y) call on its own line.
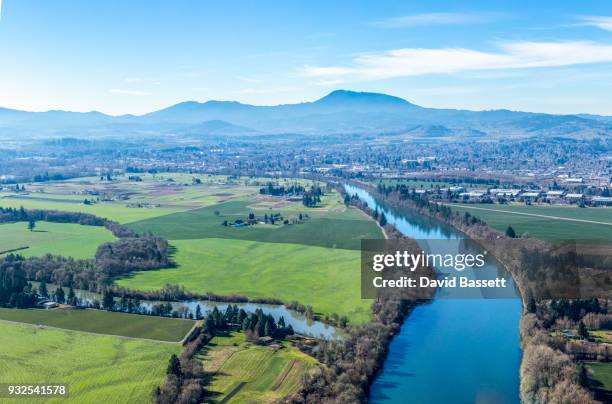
point(455, 349)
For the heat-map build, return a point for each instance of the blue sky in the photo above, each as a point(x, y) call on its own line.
point(135, 56)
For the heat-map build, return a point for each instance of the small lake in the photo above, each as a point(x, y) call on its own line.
point(299, 322)
point(458, 348)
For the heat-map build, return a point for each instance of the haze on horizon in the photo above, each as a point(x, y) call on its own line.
point(141, 56)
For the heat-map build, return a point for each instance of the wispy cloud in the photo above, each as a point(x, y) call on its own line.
point(129, 92)
point(599, 21)
point(0, 9)
point(421, 61)
point(249, 79)
point(414, 20)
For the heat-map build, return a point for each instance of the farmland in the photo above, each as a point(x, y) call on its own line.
point(325, 228)
point(312, 258)
point(326, 278)
point(601, 373)
point(103, 322)
point(71, 240)
point(561, 223)
point(95, 368)
point(246, 372)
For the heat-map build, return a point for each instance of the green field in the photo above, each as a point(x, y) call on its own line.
point(103, 322)
point(556, 227)
point(326, 278)
point(71, 240)
point(249, 373)
point(341, 228)
point(97, 369)
point(602, 373)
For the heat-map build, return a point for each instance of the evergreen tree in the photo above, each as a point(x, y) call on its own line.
point(71, 297)
point(60, 295)
point(510, 232)
point(31, 225)
point(383, 219)
point(198, 312)
point(174, 366)
point(582, 331)
point(43, 289)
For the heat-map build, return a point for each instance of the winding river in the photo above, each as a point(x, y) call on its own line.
point(463, 346)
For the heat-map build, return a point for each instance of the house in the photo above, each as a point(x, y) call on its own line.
point(264, 340)
point(574, 197)
point(554, 196)
point(506, 193)
point(601, 200)
point(530, 196)
point(50, 305)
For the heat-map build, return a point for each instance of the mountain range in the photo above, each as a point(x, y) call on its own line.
point(340, 112)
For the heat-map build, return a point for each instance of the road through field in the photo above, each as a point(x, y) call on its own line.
point(530, 214)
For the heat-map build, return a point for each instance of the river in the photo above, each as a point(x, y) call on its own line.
point(299, 322)
point(458, 348)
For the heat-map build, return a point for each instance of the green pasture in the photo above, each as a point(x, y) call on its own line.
point(326, 228)
point(555, 227)
point(97, 369)
point(71, 240)
point(326, 278)
point(103, 322)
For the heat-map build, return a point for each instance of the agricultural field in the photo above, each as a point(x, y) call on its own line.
point(313, 259)
point(545, 222)
point(71, 240)
point(326, 278)
point(342, 228)
point(243, 372)
point(601, 373)
point(125, 200)
point(97, 369)
point(103, 322)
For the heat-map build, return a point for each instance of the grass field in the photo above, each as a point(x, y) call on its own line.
point(71, 240)
point(103, 322)
point(129, 201)
point(328, 279)
point(555, 228)
point(602, 373)
point(97, 369)
point(246, 373)
point(326, 228)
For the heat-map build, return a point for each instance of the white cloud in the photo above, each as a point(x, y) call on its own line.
point(129, 92)
point(415, 20)
point(0, 9)
point(602, 22)
point(421, 61)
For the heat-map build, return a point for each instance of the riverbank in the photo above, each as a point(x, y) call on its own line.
point(540, 355)
point(354, 362)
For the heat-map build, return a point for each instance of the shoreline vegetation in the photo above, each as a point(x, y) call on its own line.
point(352, 363)
point(547, 373)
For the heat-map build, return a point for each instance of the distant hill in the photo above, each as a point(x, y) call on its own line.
point(340, 111)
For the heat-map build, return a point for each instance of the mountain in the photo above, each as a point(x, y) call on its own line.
point(339, 112)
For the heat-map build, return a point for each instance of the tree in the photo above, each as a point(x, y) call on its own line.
point(108, 300)
point(174, 366)
point(42, 289)
point(198, 312)
point(531, 305)
point(71, 297)
point(60, 296)
point(510, 232)
point(31, 225)
point(582, 331)
point(383, 219)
